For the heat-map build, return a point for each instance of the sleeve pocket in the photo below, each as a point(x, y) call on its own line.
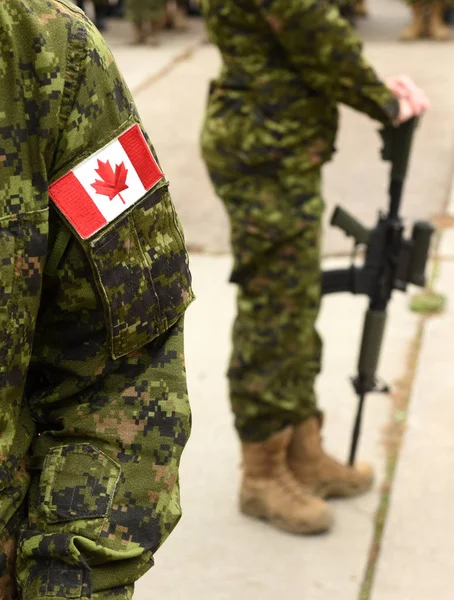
point(141, 266)
point(78, 481)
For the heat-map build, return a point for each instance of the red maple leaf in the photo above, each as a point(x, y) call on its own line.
point(111, 184)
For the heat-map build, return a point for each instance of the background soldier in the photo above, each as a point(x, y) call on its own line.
point(149, 16)
point(94, 283)
point(270, 126)
point(427, 20)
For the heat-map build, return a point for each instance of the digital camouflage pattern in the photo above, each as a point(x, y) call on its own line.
point(94, 412)
point(270, 125)
point(275, 235)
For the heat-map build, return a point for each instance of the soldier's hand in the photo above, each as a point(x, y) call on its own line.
point(412, 99)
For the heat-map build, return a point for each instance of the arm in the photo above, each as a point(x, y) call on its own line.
point(328, 54)
point(113, 405)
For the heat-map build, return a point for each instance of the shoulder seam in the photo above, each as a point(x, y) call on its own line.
point(76, 51)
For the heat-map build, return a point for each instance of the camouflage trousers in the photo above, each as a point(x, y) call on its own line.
point(275, 222)
point(145, 10)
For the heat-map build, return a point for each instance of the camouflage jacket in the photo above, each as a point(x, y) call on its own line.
point(93, 284)
point(286, 64)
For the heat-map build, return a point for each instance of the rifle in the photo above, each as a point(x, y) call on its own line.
point(391, 263)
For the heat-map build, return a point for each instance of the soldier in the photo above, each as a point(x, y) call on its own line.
point(427, 20)
point(94, 283)
point(270, 126)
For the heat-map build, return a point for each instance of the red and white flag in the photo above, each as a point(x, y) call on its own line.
point(107, 183)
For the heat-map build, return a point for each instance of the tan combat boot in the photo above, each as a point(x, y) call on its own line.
point(156, 26)
point(175, 17)
point(437, 30)
point(323, 475)
point(270, 491)
point(361, 8)
point(416, 29)
point(140, 33)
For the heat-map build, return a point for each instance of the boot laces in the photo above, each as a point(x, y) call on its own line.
point(297, 490)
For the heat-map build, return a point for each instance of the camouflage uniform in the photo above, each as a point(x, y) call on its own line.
point(93, 401)
point(139, 11)
point(270, 126)
point(428, 20)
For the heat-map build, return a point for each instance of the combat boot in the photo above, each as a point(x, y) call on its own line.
point(156, 26)
point(361, 8)
point(175, 17)
point(269, 490)
point(416, 29)
point(437, 30)
point(319, 472)
point(140, 33)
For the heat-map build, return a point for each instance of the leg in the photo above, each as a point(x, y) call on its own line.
point(100, 17)
point(275, 231)
point(437, 29)
point(416, 29)
point(175, 16)
point(140, 33)
point(361, 8)
point(104, 493)
point(276, 350)
point(146, 18)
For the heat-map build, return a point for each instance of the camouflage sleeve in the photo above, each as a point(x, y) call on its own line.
point(328, 54)
point(108, 386)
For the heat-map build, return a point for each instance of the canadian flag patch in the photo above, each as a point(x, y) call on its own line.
point(107, 183)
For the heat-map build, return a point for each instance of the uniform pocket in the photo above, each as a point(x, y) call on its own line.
point(142, 270)
point(78, 482)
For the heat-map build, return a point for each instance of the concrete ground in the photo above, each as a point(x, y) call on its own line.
point(215, 553)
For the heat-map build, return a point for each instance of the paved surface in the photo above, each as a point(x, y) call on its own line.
point(417, 555)
point(215, 553)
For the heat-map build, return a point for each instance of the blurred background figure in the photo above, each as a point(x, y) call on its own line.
point(270, 125)
point(449, 14)
point(193, 8)
point(428, 20)
point(147, 16)
point(361, 8)
point(176, 11)
point(150, 16)
point(350, 9)
point(101, 7)
point(116, 9)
